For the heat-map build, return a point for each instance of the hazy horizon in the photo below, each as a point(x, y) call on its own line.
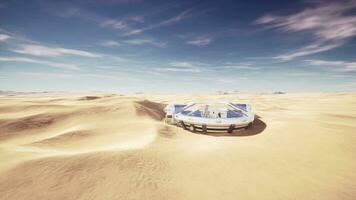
point(177, 47)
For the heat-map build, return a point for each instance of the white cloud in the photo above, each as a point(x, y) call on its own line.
point(207, 38)
point(336, 65)
point(127, 29)
point(313, 48)
point(67, 75)
point(42, 62)
point(126, 24)
point(4, 37)
point(110, 43)
point(239, 65)
point(184, 67)
point(146, 41)
point(183, 64)
point(225, 80)
point(175, 19)
point(329, 23)
point(39, 50)
point(201, 41)
point(34, 48)
point(242, 67)
point(177, 69)
point(115, 24)
point(102, 76)
point(47, 74)
point(22, 45)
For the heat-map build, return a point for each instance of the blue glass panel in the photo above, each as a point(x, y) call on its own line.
point(241, 106)
point(178, 108)
point(234, 114)
point(196, 113)
point(185, 112)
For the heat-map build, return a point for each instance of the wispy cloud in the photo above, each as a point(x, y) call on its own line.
point(200, 41)
point(207, 38)
point(126, 24)
point(4, 37)
point(14, 38)
point(313, 48)
point(145, 41)
point(239, 66)
point(183, 64)
point(175, 19)
point(297, 73)
point(47, 74)
point(41, 62)
point(331, 25)
point(71, 9)
point(110, 43)
point(175, 69)
point(183, 67)
point(117, 25)
point(40, 50)
point(69, 75)
point(335, 65)
point(23, 45)
point(228, 81)
point(198, 67)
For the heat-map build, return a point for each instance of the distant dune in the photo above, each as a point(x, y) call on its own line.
point(302, 146)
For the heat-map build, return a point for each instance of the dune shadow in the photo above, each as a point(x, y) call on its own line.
point(89, 98)
point(257, 127)
point(151, 109)
point(167, 132)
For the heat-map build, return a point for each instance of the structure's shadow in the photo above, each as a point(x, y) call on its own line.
point(257, 127)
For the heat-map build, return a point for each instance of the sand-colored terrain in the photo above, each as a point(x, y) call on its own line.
point(302, 146)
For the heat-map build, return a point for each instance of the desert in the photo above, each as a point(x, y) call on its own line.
point(177, 100)
point(109, 146)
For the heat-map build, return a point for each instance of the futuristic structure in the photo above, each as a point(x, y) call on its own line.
point(210, 117)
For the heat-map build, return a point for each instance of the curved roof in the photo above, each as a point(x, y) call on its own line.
point(214, 110)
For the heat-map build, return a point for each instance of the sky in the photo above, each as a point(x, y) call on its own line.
point(178, 46)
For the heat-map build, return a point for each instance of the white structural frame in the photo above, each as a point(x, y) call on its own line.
point(206, 124)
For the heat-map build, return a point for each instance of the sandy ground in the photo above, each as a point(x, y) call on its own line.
point(302, 146)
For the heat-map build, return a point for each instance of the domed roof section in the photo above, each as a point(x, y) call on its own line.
point(213, 110)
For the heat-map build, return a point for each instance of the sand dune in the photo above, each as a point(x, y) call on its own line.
point(302, 146)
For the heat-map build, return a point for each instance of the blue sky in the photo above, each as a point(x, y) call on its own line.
point(177, 46)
